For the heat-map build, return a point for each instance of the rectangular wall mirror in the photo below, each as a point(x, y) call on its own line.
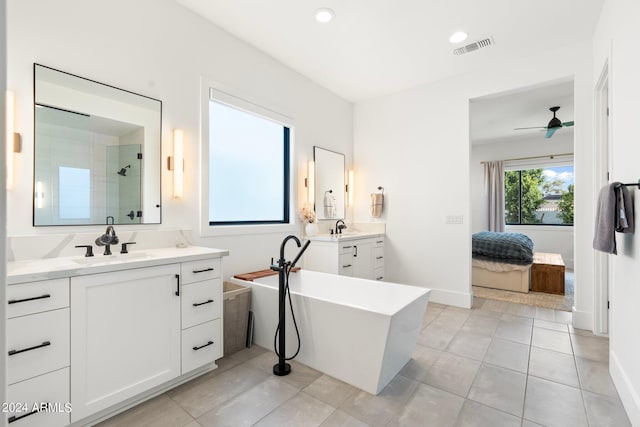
point(329, 184)
point(97, 152)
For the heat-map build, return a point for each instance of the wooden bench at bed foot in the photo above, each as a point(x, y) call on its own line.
point(547, 273)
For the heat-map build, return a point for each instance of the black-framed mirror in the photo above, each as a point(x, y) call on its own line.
point(96, 152)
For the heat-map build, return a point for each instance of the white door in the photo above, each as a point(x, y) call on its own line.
point(125, 335)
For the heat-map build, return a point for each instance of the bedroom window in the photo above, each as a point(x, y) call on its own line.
point(539, 196)
point(248, 163)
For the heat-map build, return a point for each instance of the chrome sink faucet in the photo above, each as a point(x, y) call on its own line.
point(340, 227)
point(107, 239)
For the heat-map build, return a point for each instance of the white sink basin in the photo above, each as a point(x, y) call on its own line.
point(111, 259)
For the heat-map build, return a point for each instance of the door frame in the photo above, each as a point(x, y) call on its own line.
point(602, 170)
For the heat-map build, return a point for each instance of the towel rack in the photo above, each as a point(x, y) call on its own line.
point(632, 184)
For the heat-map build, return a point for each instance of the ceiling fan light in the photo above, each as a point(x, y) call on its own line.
point(554, 123)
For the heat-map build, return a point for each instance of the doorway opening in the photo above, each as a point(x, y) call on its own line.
point(533, 139)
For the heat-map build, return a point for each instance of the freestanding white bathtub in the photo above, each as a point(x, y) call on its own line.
point(357, 330)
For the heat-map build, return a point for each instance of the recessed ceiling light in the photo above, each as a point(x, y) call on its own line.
point(458, 37)
point(324, 15)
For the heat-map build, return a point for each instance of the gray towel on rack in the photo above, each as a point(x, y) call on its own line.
point(614, 213)
point(624, 210)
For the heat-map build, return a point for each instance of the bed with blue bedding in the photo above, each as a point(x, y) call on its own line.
point(501, 260)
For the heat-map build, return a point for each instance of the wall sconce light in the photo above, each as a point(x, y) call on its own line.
point(310, 182)
point(350, 187)
point(176, 163)
point(12, 139)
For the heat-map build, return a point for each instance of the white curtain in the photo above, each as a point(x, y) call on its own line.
point(494, 194)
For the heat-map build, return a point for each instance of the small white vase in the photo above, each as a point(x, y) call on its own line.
point(311, 229)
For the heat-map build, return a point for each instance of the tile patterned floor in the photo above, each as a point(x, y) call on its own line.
point(498, 364)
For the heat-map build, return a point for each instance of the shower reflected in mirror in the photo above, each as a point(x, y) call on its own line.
point(123, 171)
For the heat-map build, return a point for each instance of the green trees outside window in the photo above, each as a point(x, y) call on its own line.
point(539, 196)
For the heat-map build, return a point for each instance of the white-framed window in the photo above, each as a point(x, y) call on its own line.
point(246, 163)
point(539, 192)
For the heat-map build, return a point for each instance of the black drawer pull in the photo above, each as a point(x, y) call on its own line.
point(347, 266)
point(198, 304)
point(15, 301)
point(178, 285)
point(13, 418)
point(380, 278)
point(379, 257)
point(44, 344)
point(379, 241)
point(347, 247)
point(203, 346)
point(202, 271)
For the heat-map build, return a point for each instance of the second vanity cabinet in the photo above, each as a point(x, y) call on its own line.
point(110, 335)
point(347, 256)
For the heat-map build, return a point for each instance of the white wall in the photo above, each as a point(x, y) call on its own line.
point(416, 145)
point(615, 41)
point(160, 49)
point(545, 238)
point(3, 216)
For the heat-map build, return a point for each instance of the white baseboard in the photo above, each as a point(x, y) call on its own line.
point(458, 299)
point(582, 319)
point(626, 390)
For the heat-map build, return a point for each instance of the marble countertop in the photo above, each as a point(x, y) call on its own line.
point(345, 236)
point(52, 268)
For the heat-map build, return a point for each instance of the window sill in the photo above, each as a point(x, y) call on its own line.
point(559, 228)
point(239, 230)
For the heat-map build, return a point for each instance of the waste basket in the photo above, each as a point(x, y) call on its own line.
point(236, 304)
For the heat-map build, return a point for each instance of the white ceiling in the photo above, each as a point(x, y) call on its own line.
point(377, 47)
point(494, 118)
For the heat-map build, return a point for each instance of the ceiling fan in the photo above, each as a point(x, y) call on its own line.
point(553, 126)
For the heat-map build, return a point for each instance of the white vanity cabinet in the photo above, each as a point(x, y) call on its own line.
point(348, 256)
point(125, 335)
point(107, 333)
point(38, 353)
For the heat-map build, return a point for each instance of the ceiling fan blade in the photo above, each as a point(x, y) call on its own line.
point(534, 127)
point(550, 132)
point(566, 124)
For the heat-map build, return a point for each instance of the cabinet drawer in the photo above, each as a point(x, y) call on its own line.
point(346, 248)
point(35, 297)
point(378, 242)
point(201, 302)
point(195, 271)
point(378, 257)
point(345, 267)
point(37, 344)
point(378, 273)
point(51, 390)
point(201, 345)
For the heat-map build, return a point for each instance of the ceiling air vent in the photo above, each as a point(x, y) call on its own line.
point(474, 46)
